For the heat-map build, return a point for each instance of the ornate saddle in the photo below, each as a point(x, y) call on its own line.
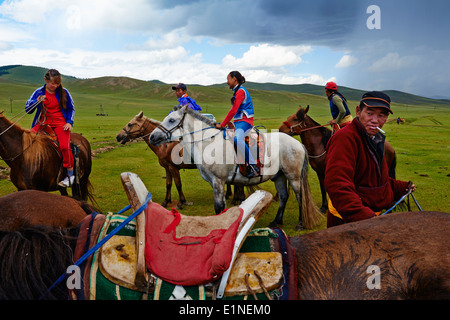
point(162, 234)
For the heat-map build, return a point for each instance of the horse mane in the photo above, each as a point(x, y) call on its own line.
point(153, 121)
point(197, 115)
point(31, 260)
point(36, 150)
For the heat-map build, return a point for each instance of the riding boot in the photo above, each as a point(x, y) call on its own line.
point(254, 171)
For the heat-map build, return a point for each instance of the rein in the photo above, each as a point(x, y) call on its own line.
point(180, 126)
point(300, 124)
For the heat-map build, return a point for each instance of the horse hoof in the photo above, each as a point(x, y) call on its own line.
point(165, 203)
point(299, 227)
point(323, 209)
point(273, 224)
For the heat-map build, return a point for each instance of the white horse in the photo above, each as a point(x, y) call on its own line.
point(285, 159)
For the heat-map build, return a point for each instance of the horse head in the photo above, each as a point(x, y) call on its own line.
point(172, 124)
point(137, 127)
point(293, 121)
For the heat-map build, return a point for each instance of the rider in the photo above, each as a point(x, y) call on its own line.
point(183, 98)
point(56, 109)
point(338, 107)
point(357, 175)
point(242, 113)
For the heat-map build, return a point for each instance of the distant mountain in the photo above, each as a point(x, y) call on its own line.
point(34, 75)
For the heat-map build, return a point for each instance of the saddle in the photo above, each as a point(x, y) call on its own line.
point(169, 246)
point(255, 141)
point(48, 131)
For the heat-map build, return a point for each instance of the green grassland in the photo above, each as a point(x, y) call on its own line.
point(422, 143)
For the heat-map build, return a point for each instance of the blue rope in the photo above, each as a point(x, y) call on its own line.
point(396, 204)
point(103, 241)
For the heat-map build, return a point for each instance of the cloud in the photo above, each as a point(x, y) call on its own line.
point(346, 61)
point(392, 61)
point(267, 56)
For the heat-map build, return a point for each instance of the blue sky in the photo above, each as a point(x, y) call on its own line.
point(201, 41)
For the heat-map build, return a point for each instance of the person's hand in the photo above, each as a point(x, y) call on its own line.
point(218, 126)
point(67, 126)
point(41, 98)
point(411, 186)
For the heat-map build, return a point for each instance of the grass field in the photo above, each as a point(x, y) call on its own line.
point(422, 143)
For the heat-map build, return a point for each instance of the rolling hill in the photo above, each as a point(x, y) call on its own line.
point(30, 75)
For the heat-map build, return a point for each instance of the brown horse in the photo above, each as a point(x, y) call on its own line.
point(35, 163)
point(315, 138)
point(28, 208)
point(396, 256)
point(141, 127)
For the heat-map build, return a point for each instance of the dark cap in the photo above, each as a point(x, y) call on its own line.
point(377, 99)
point(181, 86)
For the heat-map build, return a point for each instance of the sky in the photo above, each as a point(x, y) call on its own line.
point(369, 45)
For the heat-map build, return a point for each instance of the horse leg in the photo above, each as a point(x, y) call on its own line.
point(239, 195)
point(177, 179)
point(219, 196)
point(229, 191)
point(283, 195)
point(168, 198)
point(324, 207)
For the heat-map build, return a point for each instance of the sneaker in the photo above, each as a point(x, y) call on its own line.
point(67, 182)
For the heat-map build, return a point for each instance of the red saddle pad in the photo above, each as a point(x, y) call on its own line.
point(185, 260)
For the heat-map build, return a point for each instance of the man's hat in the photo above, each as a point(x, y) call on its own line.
point(377, 99)
point(181, 86)
point(331, 85)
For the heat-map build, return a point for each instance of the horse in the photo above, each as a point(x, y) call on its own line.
point(285, 160)
point(141, 127)
point(396, 256)
point(27, 208)
point(315, 138)
point(35, 162)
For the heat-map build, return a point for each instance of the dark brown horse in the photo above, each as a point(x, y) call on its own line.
point(315, 138)
point(396, 256)
point(141, 127)
point(35, 163)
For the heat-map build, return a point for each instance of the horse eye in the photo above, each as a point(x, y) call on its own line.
point(171, 120)
point(295, 119)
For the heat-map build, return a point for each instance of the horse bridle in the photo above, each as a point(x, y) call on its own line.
point(168, 132)
point(291, 126)
point(140, 131)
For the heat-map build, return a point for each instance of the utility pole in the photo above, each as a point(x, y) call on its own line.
point(10, 103)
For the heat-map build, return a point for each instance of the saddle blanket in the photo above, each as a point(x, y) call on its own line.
point(186, 260)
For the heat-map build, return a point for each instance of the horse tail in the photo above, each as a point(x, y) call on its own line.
point(311, 216)
point(31, 260)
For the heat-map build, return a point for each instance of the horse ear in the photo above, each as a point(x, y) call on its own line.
point(307, 108)
point(175, 108)
point(140, 114)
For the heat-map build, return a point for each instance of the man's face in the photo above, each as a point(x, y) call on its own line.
point(180, 92)
point(371, 118)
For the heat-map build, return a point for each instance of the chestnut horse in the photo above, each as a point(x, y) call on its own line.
point(35, 163)
point(141, 127)
point(315, 138)
point(396, 256)
point(29, 208)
